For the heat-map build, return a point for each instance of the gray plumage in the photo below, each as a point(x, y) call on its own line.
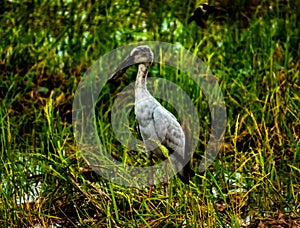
point(155, 123)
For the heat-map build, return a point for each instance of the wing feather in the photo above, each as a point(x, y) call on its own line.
point(168, 130)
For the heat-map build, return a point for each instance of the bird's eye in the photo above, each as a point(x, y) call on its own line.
point(135, 52)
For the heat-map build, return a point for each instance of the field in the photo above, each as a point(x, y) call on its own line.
point(46, 49)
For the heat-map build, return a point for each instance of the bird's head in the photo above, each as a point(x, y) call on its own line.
point(140, 54)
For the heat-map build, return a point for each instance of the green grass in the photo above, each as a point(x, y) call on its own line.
point(44, 54)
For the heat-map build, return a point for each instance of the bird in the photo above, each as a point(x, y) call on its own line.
point(201, 14)
point(220, 13)
point(159, 128)
point(204, 11)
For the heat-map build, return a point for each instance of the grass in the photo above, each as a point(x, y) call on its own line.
point(44, 177)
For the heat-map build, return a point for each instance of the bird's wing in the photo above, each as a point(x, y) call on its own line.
point(172, 137)
point(168, 129)
point(161, 122)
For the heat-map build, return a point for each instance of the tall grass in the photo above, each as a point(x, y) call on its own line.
point(47, 47)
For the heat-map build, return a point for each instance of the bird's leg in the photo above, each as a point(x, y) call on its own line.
point(167, 187)
point(151, 174)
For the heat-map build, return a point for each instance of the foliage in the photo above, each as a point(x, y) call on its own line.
point(45, 48)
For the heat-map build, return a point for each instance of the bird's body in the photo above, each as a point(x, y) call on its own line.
point(158, 127)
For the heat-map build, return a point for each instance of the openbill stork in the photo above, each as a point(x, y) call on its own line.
point(158, 127)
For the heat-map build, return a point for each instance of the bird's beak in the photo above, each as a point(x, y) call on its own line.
point(129, 61)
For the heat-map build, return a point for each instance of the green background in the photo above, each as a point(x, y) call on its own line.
point(46, 47)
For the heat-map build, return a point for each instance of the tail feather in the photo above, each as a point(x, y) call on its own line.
point(186, 173)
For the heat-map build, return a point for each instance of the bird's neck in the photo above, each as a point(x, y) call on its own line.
point(140, 83)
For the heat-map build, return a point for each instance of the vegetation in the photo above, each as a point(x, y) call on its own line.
point(47, 46)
